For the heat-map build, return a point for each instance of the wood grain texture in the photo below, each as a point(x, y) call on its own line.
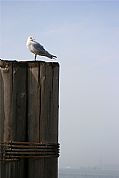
point(19, 102)
point(29, 104)
point(42, 119)
point(13, 113)
point(33, 115)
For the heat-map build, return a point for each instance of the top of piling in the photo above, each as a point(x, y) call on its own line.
point(3, 62)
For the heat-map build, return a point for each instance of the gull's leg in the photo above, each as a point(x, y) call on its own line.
point(35, 56)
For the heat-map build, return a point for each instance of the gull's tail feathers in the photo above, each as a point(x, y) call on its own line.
point(50, 55)
point(53, 57)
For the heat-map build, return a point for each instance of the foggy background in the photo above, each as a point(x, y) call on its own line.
point(84, 35)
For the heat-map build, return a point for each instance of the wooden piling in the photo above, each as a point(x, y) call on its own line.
point(29, 93)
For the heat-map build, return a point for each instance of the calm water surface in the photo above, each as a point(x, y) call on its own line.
point(88, 173)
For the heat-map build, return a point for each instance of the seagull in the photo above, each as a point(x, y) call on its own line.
point(37, 48)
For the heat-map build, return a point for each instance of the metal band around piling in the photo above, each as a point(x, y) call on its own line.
point(17, 150)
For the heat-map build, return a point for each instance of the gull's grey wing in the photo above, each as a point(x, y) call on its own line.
point(38, 47)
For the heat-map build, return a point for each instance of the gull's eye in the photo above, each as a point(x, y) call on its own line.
point(30, 38)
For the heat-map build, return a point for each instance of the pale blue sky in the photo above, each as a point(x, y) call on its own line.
point(85, 37)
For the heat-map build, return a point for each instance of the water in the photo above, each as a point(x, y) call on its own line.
point(88, 173)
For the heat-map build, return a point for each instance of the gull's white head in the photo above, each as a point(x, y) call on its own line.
point(30, 38)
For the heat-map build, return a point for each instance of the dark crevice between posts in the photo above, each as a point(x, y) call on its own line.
point(39, 85)
point(25, 160)
point(26, 101)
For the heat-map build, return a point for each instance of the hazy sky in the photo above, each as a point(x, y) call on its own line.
point(85, 37)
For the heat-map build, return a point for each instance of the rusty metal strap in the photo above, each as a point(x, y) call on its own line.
point(16, 150)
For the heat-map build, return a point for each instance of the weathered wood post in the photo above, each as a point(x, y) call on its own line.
point(29, 99)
